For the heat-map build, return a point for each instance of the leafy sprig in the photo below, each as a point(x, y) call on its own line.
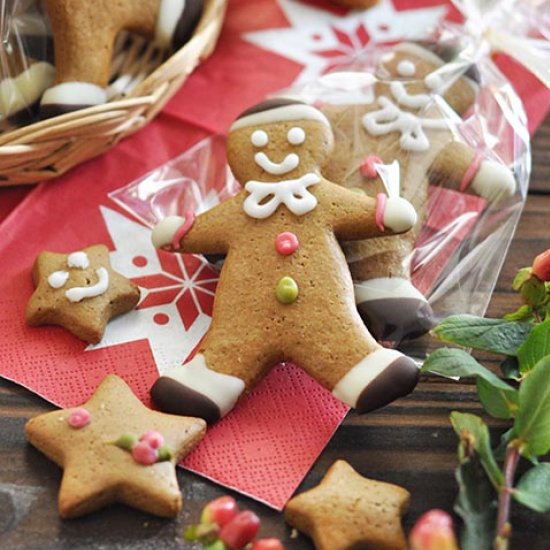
point(487, 481)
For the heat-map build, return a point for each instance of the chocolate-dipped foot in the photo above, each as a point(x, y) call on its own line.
point(393, 309)
point(377, 380)
point(70, 96)
point(195, 390)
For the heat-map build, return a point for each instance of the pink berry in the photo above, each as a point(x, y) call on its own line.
point(79, 418)
point(143, 453)
point(433, 531)
point(155, 439)
point(286, 243)
point(367, 167)
point(541, 266)
point(267, 544)
point(220, 511)
point(240, 530)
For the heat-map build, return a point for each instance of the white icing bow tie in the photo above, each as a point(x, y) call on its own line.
point(265, 198)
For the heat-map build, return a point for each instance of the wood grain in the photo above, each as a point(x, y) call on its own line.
point(410, 443)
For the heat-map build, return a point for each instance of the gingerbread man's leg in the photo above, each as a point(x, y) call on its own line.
point(209, 385)
point(459, 167)
point(357, 370)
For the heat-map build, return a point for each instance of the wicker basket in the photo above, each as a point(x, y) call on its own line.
point(49, 148)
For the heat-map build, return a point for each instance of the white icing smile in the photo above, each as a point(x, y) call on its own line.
point(289, 163)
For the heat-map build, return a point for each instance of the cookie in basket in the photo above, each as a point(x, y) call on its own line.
point(347, 510)
point(79, 291)
point(285, 293)
point(84, 35)
point(114, 449)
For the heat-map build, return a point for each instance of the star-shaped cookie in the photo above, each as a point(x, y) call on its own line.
point(347, 510)
point(97, 471)
point(79, 291)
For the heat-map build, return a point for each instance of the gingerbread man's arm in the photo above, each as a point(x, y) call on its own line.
point(459, 167)
point(355, 216)
point(208, 233)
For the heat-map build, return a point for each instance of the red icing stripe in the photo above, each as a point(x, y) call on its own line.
point(380, 207)
point(182, 231)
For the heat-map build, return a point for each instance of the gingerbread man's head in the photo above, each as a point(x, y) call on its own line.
point(278, 140)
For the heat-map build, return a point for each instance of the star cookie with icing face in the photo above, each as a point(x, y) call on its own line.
point(114, 449)
point(347, 510)
point(80, 292)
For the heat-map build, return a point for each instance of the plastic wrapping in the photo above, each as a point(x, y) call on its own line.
point(437, 123)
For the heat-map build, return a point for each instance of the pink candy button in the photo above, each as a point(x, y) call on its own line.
point(79, 418)
point(367, 167)
point(286, 243)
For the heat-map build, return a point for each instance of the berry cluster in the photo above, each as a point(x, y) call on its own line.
point(224, 527)
point(148, 449)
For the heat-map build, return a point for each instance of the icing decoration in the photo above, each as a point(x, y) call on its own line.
point(167, 22)
point(379, 214)
point(288, 164)
point(292, 193)
point(297, 111)
point(126, 441)
point(79, 260)
point(259, 138)
point(390, 176)
point(286, 290)
point(470, 172)
point(78, 293)
point(79, 418)
point(286, 243)
point(406, 68)
point(144, 454)
point(182, 230)
point(153, 438)
point(146, 450)
point(296, 136)
point(367, 167)
point(58, 279)
point(416, 101)
point(390, 118)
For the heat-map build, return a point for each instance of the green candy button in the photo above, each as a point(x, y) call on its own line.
point(287, 290)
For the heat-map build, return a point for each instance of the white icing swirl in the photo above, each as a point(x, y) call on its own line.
point(78, 259)
point(58, 279)
point(78, 293)
point(288, 164)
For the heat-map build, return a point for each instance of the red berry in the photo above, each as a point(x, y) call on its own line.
point(143, 453)
point(541, 266)
point(433, 531)
point(267, 544)
point(220, 511)
point(153, 438)
point(240, 530)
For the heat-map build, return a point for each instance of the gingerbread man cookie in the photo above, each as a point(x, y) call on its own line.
point(114, 449)
point(80, 292)
point(84, 34)
point(406, 115)
point(285, 292)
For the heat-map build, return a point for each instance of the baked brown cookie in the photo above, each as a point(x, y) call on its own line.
point(79, 291)
point(285, 291)
point(84, 34)
point(347, 510)
point(406, 112)
point(114, 449)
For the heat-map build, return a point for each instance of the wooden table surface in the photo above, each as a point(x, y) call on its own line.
point(409, 443)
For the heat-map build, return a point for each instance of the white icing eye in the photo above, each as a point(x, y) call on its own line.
point(434, 81)
point(406, 68)
point(259, 138)
point(296, 136)
point(387, 57)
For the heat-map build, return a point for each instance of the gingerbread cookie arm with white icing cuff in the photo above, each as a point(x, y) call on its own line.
point(459, 167)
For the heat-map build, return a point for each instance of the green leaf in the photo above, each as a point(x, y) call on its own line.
point(496, 335)
point(520, 278)
point(498, 402)
point(532, 424)
point(523, 313)
point(476, 505)
point(533, 489)
point(474, 434)
point(534, 291)
point(535, 347)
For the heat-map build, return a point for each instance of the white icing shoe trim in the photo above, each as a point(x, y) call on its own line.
point(74, 93)
point(78, 293)
point(352, 384)
point(493, 181)
point(399, 214)
point(281, 114)
point(25, 89)
point(289, 163)
point(164, 231)
point(167, 20)
point(386, 287)
point(222, 389)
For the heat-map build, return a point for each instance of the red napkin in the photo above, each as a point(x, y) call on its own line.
point(266, 446)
